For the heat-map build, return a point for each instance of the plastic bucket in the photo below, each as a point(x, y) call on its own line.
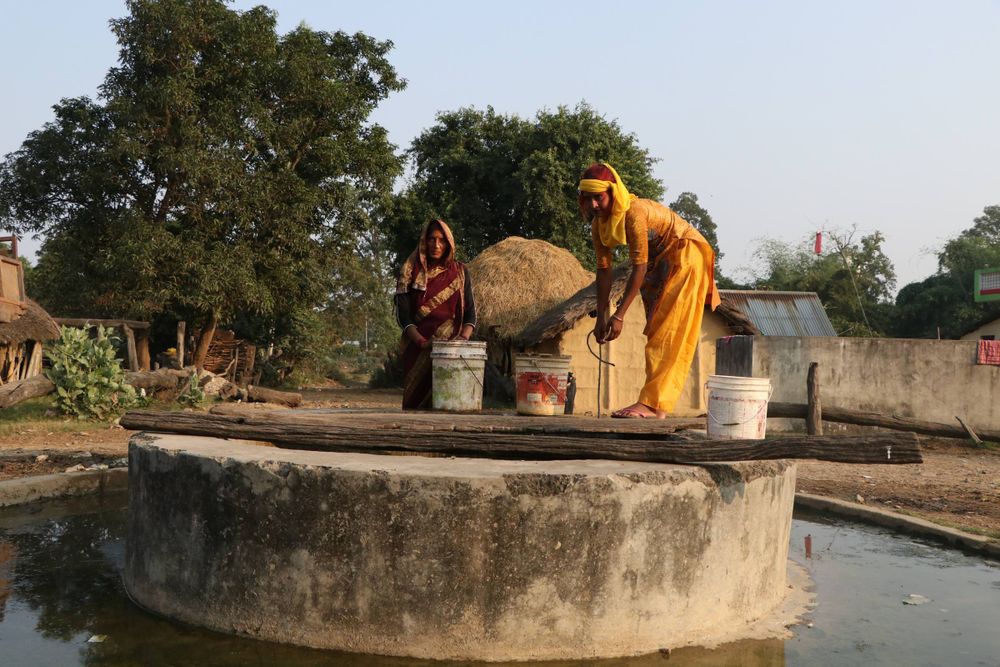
point(541, 383)
point(737, 406)
point(457, 370)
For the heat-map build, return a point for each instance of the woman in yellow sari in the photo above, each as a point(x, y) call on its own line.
point(673, 270)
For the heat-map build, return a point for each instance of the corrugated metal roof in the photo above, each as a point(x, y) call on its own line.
point(783, 313)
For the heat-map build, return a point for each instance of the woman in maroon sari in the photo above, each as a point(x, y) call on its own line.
point(433, 302)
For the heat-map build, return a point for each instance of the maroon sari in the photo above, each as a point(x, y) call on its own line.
point(437, 301)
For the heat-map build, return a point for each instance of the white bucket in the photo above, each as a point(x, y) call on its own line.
point(457, 370)
point(737, 406)
point(541, 383)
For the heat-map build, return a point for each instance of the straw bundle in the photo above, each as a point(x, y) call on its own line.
point(518, 279)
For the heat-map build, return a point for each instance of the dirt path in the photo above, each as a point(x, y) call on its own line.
point(956, 485)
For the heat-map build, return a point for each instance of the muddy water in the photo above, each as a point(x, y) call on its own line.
point(60, 586)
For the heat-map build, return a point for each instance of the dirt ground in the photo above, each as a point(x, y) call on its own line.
point(957, 485)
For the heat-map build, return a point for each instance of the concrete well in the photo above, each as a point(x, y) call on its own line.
point(454, 558)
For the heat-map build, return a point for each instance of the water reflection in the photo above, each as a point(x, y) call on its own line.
point(60, 585)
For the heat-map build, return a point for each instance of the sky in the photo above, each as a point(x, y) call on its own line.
point(785, 117)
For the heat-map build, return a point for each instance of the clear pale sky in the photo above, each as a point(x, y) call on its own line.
point(784, 117)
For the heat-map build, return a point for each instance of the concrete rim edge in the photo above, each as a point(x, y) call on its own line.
point(37, 488)
point(904, 523)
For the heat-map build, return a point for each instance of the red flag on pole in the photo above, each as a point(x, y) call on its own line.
point(818, 247)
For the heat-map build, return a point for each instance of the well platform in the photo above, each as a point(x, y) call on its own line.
point(453, 558)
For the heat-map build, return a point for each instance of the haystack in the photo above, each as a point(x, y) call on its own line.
point(21, 343)
point(518, 279)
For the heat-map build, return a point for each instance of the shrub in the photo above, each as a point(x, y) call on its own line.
point(89, 380)
point(193, 395)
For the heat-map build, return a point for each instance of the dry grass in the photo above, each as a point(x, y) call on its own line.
point(518, 279)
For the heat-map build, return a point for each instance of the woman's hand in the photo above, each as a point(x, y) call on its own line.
point(601, 330)
point(615, 327)
point(416, 337)
point(465, 333)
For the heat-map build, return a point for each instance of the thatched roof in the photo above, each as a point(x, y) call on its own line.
point(518, 279)
point(34, 324)
point(564, 316)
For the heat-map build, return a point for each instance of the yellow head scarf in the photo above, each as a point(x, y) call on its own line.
point(612, 228)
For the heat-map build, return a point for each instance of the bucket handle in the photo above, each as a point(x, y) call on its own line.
point(770, 392)
point(464, 361)
point(545, 378)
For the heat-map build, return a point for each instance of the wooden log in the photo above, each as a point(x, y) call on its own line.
point(133, 357)
point(858, 418)
point(33, 387)
point(152, 381)
point(257, 394)
point(890, 448)
point(968, 429)
point(814, 413)
point(86, 323)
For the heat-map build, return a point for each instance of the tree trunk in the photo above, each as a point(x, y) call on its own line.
point(165, 378)
point(302, 433)
point(204, 341)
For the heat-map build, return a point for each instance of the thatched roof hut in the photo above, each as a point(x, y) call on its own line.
point(21, 343)
point(518, 279)
point(35, 325)
point(564, 316)
point(565, 329)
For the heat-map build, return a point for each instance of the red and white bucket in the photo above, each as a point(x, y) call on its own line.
point(541, 383)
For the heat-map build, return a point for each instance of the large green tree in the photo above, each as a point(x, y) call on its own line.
point(492, 176)
point(225, 171)
point(943, 303)
point(854, 278)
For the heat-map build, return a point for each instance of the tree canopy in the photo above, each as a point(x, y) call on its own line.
point(943, 303)
point(492, 176)
point(225, 170)
point(854, 281)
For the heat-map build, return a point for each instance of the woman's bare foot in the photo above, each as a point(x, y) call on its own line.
point(639, 411)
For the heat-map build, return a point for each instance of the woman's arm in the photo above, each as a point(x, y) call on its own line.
point(402, 303)
point(617, 320)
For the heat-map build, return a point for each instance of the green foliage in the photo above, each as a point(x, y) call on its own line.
point(854, 282)
point(225, 172)
point(687, 206)
point(89, 380)
point(193, 395)
point(943, 303)
point(491, 176)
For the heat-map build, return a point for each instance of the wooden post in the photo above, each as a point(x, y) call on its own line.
point(133, 359)
point(142, 349)
point(181, 333)
point(734, 356)
point(35, 364)
point(814, 413)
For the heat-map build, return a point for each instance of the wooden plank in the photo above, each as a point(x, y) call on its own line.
point(87, 322)
point(734, 356)
point(814, 413)
point(475, 422)
point(968, 429)
point(142, 349)
point(889, 448)
point(858, 418)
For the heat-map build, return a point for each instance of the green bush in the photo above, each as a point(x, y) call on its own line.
point(89, 380)
point(193, 395)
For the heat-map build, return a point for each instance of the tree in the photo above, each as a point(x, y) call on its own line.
point(492, 176)
point(943, 304)
point(854, 282)
point(226, 170)
point(687, 206)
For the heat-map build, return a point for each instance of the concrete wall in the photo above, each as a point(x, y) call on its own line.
point(454, 558)
point(932, 380)
point(620, 385)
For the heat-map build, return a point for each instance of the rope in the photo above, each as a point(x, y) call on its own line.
point(601, 360)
